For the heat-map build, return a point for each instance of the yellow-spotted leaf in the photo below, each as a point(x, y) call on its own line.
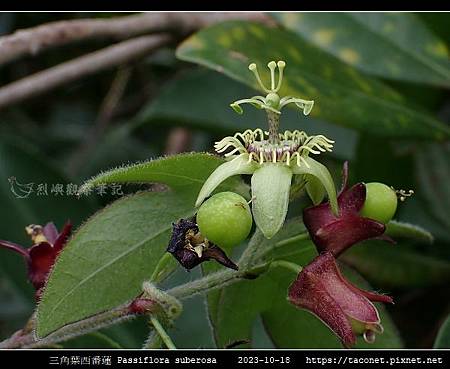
point(342, 95)
point(389, 45)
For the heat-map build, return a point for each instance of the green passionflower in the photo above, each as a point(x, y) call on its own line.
point(273, 158)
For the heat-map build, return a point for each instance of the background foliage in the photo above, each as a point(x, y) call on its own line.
point(381, 88)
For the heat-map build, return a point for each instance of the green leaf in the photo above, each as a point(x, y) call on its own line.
point(443, 337)
point(184, 173)
point(397, 229)
point(236, 308)
point(433, 175)
point(343, 96)
point(201, 98)
point(389, 45)
point(437, 22)
point(130, 333)
point(109, 257)
point(396, 265)
point(416, 210)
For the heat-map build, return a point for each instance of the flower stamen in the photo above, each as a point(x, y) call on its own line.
point(403, 194)
point(292, 145)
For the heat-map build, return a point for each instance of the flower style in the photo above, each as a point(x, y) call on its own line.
point(347, 310)
point(337, 233)
point(191, 248)
point(40, 258)
point(272, 158)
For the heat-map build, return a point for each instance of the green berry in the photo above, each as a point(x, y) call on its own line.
point(225, 219)
point(381, 202)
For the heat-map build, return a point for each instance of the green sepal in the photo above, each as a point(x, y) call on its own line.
point(270, 197)
point(314, 188)
point(239, 165)
point(321, 172)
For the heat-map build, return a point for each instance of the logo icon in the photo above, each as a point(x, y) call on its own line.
point(20, 190)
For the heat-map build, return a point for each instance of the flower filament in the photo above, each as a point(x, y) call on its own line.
point(291, 146)
point(403, 194)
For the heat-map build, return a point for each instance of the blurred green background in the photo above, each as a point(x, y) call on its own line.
point(381, 86)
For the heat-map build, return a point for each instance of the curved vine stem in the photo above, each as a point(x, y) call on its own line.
point(162, 333)
point(250, 263)
point(287, 265)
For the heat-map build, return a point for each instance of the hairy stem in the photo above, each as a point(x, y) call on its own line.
point(274, 125)
point(153, 341)
point(248, 266)
point(162, 333)
point(23, 339)
point(249, 254)
point(212, 281)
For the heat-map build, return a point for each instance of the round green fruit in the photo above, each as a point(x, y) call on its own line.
point(381, 202)
point(225, 219)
